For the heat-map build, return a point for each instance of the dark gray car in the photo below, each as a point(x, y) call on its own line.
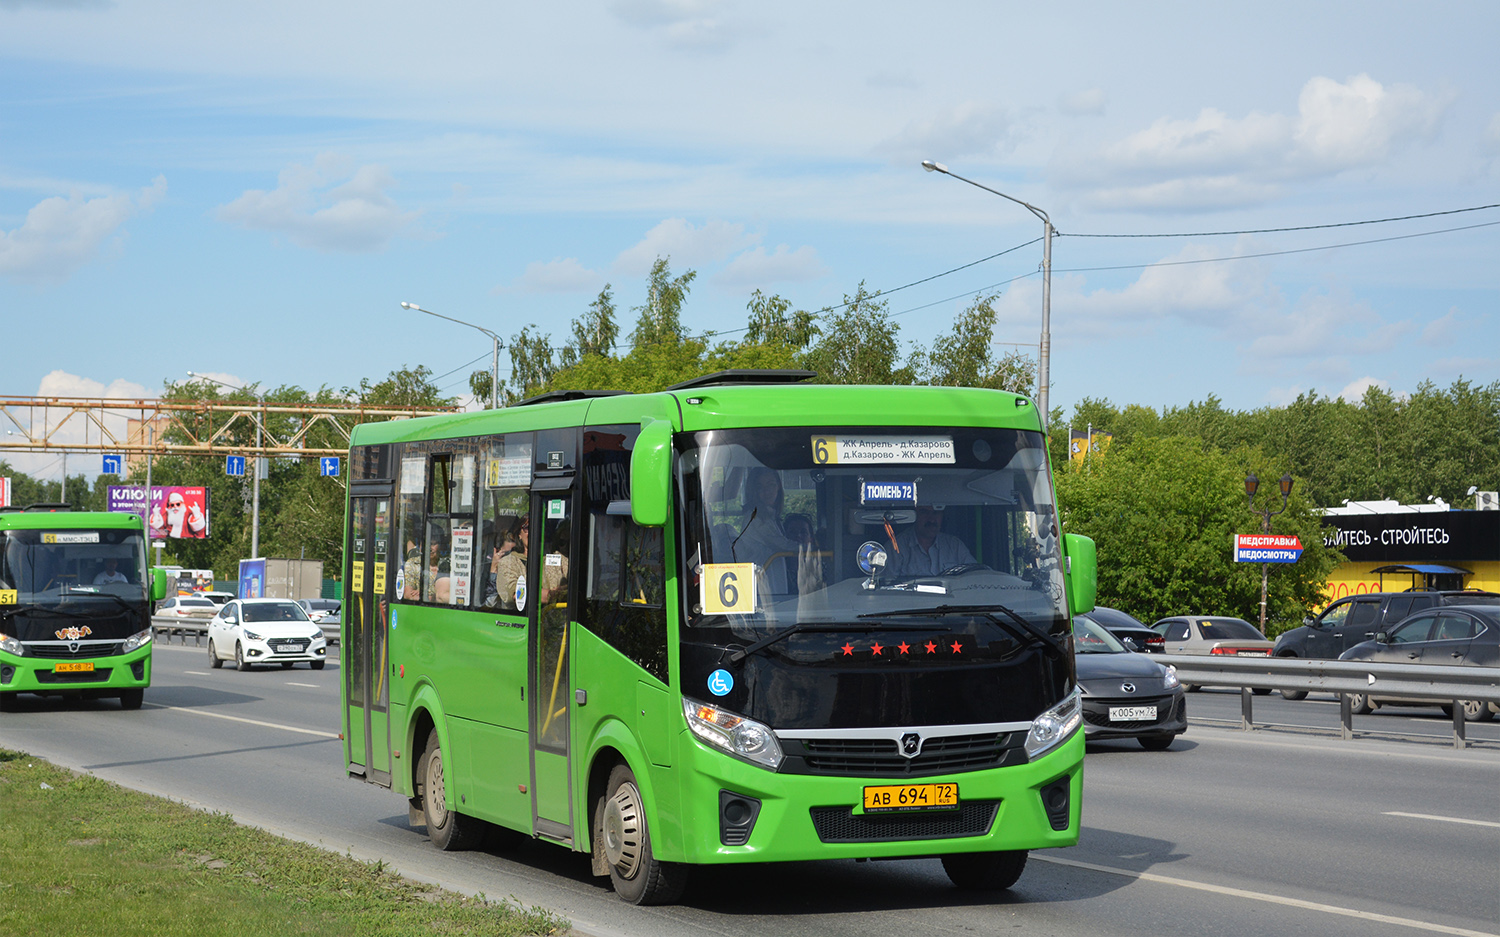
point(1456, 635)
point(1125, 695)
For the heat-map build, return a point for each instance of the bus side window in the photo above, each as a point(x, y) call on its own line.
point(412, 517)
point(504, 533)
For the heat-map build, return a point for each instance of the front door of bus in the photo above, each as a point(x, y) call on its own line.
point(364, 659)
point(548, 612)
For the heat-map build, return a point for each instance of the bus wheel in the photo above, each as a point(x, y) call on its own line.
point(449, 830)
point(620, 824)
point(132, 699)
point(985, 871)
point(8, 702)
point(214, 660)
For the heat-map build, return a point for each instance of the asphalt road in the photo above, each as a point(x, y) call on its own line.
point(1276, 831)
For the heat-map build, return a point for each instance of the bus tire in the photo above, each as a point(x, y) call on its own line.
point(620, 824)
point(214, 660)
point(132, 699)
point(8, 702)
point(985, 871)
point(449, 830)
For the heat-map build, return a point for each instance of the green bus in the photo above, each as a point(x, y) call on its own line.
point(741, 620)
point(75, 604)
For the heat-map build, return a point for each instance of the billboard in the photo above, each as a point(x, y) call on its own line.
point(175, 511)
point(1267, 548)
point(252, 579)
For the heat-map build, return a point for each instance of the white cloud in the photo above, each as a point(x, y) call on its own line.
point(686, 245)
point(968, 130)
point(1088, 103)
point(63, 427)
point(355, 216)
point(1442, 331)
point(756, 268)
point(563, 275)
point(62, 234)
point(1229, 161)
point(1322, 321)
point(684, 24)
point(1354, 391)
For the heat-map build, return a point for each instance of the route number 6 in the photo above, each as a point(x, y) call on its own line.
point(728, 588)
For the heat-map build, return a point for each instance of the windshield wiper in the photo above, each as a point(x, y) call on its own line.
point(766, 642)
point(1022, 628)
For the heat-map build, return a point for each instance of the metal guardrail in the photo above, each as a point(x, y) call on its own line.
point(165, 627)
point(1441, 684)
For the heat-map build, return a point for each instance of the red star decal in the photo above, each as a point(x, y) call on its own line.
point(848, 650)
point(931, 648)
point(957, 648)
point(877, 649)
point(904, 647)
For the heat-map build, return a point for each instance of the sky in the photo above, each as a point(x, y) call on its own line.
point(250, 191)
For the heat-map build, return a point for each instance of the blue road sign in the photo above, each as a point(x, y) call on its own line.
point(114, 464)
point(234, 465)
point(328, 465)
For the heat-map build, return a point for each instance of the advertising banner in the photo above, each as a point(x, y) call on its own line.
point(4, 491)
point(1267, 548)
point(175, 511)
point(252, 579)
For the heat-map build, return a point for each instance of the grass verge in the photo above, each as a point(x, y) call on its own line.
point(85, 856)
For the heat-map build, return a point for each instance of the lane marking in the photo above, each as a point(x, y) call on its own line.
point(1269, 899)
point(197, 673)
point(310, 686)
point(1430, 816)
point(253, 722)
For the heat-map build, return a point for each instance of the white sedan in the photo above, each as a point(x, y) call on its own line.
point(265, 631)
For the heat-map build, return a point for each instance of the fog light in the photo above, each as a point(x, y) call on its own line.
point(1057, 801)
point(737, 815)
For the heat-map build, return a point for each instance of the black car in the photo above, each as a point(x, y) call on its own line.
point(1134, 634)
point(1461, 635)
point(1358, 618)
point(1125, 695)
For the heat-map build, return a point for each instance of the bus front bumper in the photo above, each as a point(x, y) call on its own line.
point(763, 816)
point(93, 677)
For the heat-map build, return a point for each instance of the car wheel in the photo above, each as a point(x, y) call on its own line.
point(239, 657)
point(449, 830)
point(620, 825)
point(1191, 688)
point(1359, 704)
point(1156, 743)
point(1476, 711)
point(286, 665)
point(318, 664)
point(1294, 694)
point(132, 699)
point(985, 871)
point(1261, 691)
point(214, 660)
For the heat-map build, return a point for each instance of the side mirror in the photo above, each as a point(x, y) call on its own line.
point(1081, 572)
point(1382, 638)
point(158, 584)
point(650, 474)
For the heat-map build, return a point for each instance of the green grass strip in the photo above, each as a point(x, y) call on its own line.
point(85, 856)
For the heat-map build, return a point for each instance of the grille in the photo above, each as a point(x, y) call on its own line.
point(59, 650)
point(840, 825)
point(882, 757)
point(97, 675)
point(1097, 713)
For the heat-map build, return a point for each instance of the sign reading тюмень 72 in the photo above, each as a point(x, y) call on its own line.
point(1266, 548)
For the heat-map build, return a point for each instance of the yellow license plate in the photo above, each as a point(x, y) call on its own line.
point(889, 797)
point(73, 668)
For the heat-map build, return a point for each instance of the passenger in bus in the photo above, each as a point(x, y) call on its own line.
point(442, 590)
point(110, 573)
point(924, 549)
point(761, 535)
point(508, 571)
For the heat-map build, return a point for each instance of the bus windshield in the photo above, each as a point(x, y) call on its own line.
point(44, 566)
point(845, 525)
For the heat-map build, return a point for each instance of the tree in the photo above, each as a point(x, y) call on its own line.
point(660, 319)
point(771, 322)
point(858, 344)
point(964, 357)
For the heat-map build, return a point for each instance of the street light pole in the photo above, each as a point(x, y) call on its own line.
point(1044, 356)
point(260, 400)
point(494, 360)
point(1251, 484)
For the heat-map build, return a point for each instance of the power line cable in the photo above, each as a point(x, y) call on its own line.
point(1307, 227)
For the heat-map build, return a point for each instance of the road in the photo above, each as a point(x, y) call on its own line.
point(1280, 831)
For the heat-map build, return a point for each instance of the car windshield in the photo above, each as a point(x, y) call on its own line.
point(275, 611)
point(801, 526)
point(1089, 638)
point(1229, 629)
point(44, 565)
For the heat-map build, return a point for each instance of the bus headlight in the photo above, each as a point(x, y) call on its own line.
point(139, 639)
point(741, 737)
point(1052, 727)
point(10, 645)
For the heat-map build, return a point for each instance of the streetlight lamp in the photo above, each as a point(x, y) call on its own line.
point(1251, 484)
point(1043, 370)
point(260, 399)
point(494, 362)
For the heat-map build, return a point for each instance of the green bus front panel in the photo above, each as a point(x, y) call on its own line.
point(40, 675)
point(784, 830)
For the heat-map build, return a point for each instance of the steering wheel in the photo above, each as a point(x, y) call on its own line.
point(962, 568)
